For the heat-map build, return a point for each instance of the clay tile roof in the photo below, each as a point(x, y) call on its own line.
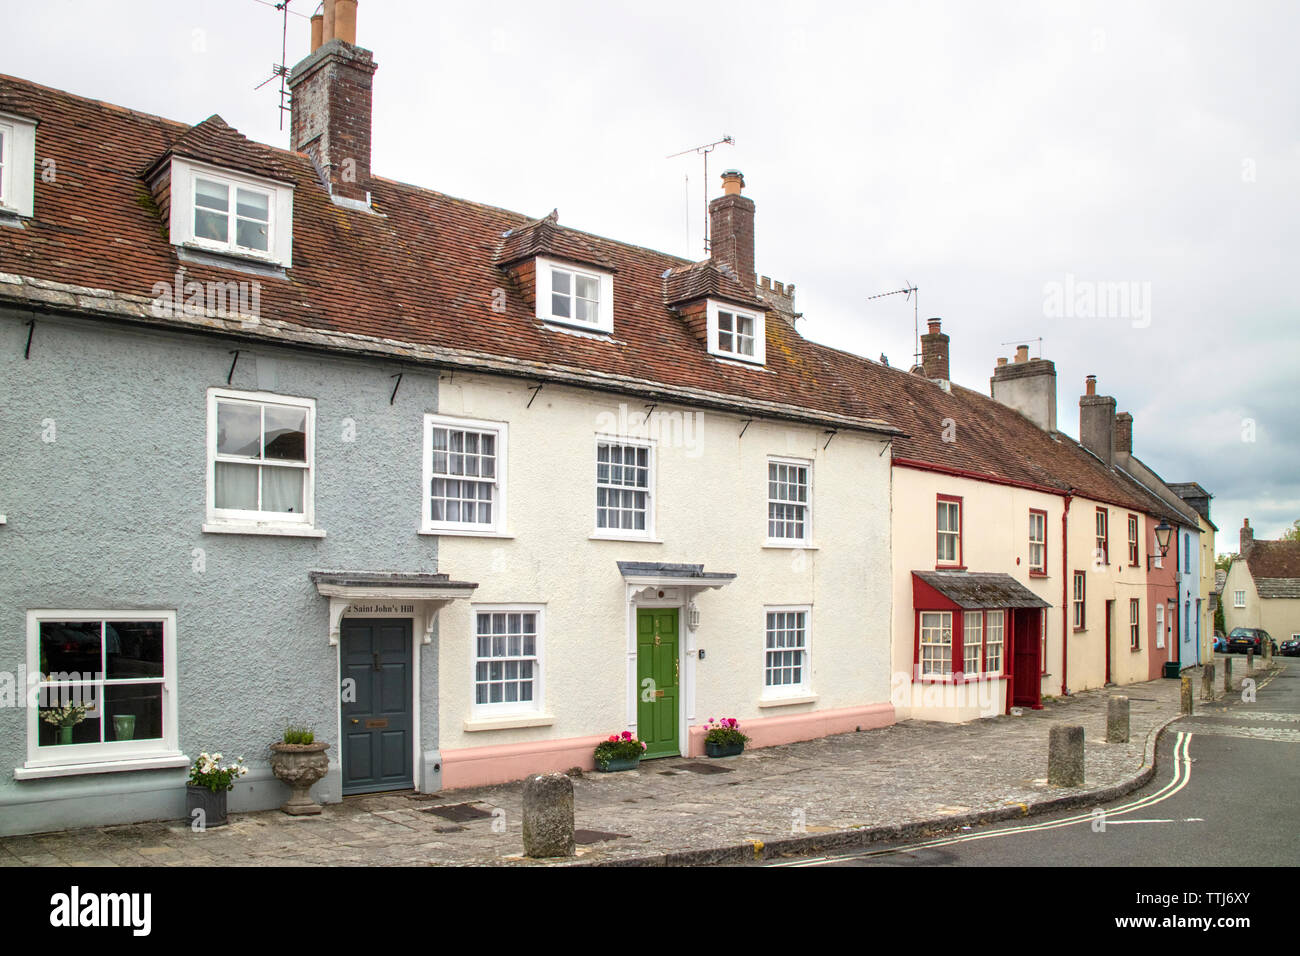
point(976, 591)
point(546, 237)
point(215, 141)
point(417, 278)
point(1275, 568)
point(701, 280)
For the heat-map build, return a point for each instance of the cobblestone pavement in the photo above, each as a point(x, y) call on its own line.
point(913, 771)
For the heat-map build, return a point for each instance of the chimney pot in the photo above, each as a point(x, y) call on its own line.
point(1097, 423)
point(317, 31)
point(1090, 385)
point(1247, 537)
point(1022, 354)
point(1124, 433)
point(327, 27)
point(732, 182)
point(933, 325)
point(345, 21)
point(1001, 362)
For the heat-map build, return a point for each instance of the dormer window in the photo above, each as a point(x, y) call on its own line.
point(575, 296)
point(232, 213)
point(17, 165)
point(736, 333)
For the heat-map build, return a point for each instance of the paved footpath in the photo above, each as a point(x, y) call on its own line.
point(913, 777)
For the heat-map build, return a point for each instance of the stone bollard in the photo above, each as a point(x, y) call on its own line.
point(1268, 653)
point(1227, 675)
point(1250, 661)
point(1065, 756)
point(1187, 694)
point(1117, 720)
point(1207, 681)
point(548, 815)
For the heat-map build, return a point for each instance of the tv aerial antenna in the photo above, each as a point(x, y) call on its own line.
point(281, 70)
point(909, 292)
point(704, 151)
point(1039, 340)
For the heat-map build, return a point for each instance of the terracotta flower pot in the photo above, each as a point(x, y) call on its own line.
point(300, 766)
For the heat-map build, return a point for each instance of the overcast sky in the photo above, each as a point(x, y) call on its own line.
point(995, 155)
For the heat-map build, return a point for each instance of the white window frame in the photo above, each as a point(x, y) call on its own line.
point(760, 332)
point(1238, 598)
point(804, 687)
point(944, 624)
point(806, 540)
point(1135, 624)
point(625, 534)
point(1160, 624)
point(605, 307)
point(1079, 601)
point(261, 522)
point(978, 620)
point(507, 708)
point(18, 176)
point(185, 174)
point(46, 758)
point(498, 526)
point(1040, 543)
point(1000, 643)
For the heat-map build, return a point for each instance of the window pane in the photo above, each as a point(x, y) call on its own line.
point(253, 205)
point(282, 490)
point(587, 287)
point(286, 433)
point(239, 429)
point(560, 281)
point(252, 235)
point(70, 649)
point(211, 225)
point(236, 486)
point(134, 649)
point(210, 195)
point(135, 711)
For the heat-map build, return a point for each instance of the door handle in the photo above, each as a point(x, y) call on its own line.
point(356, 720)
point(376, 659)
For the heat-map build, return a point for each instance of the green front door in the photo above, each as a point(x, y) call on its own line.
point(657, 680)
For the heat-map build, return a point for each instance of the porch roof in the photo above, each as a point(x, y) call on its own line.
point(416, 585)
point(978, 591)
point(660, 574)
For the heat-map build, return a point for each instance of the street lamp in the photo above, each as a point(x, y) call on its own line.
point(1163, 532)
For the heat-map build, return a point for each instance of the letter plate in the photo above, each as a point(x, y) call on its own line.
point(377, 724)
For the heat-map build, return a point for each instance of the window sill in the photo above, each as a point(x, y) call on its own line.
point(599, 536)
point(578, 328)
point(1038, 574)
point(286, 531)
point(953, 679)
point(787, 701)
point(163, 761)
point(209, 255)
point(462, 533)
point(473, 724)
point(1079, 630)
point(781, 545)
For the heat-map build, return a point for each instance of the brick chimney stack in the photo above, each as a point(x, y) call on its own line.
point(1124, 433)
point(731, 229)
point(934, 351)
point(1247, 537)
point(1097, 422)
point(332, 103)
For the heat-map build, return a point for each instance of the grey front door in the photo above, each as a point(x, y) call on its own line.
point(377, 725)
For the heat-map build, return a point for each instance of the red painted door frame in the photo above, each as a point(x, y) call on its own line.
point(1109, 620)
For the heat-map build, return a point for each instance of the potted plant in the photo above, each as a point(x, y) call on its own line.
point(619, 752)
point(65, 718)
point(723, 738)
point(299, 761)
point(209, 783)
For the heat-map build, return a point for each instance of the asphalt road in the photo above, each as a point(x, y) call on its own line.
point(1224, 795)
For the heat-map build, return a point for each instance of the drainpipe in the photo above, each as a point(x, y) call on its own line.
point(1066, 576)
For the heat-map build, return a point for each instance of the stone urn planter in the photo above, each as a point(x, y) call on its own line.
point(300, 766)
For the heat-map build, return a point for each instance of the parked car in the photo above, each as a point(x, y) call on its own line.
point(1291, 648)
point(1243, 639)
point(1220, 644)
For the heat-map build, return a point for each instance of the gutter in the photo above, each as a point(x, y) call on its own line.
point(40, 295)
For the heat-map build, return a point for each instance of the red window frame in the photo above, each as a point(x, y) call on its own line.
point(1103, 534)
point(1133, 538)
point(958, 647)
point(961, 520)
point(1037, 572)
point(1081, 579)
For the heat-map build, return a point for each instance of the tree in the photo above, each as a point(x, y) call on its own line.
point(1292, 533)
